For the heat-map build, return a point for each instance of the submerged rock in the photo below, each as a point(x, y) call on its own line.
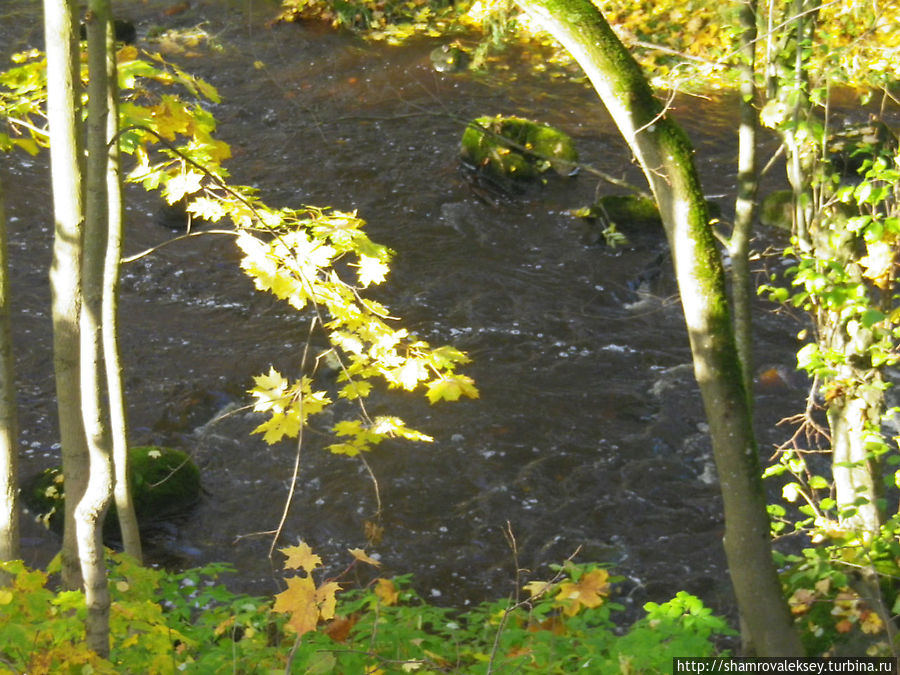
point(165, 483)
point(516, 150)
point(450, 58)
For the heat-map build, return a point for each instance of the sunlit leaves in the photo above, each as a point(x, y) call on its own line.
point(288, 404)
point(362, 436)
point(450, 388)
point(371, 271)
point(186, 183)
point(318, 260)
point(879, 262)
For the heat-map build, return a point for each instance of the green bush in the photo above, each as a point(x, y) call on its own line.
point(188, 622)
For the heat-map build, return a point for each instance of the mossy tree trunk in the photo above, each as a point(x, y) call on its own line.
point(63, 99)
point(665, 155)
point(9, 445)
point(97, 496)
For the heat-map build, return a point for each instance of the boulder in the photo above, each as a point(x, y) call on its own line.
point(614, 217)
point(450, 58)
point(165, 483)
point(514, 149)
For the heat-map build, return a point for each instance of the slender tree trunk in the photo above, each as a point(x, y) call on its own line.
point(665, 155)
point(792, 88)
point(118, 420)
point(63, 103)
point(745, 204)
point(821, 233)
point(97, 496)
point(9, 444)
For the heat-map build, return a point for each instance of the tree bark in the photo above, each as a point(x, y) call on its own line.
point(745, 205)
point(118, 419)
point(665, 155)
point(9, 428)
point(97, 496)
point(63, 102)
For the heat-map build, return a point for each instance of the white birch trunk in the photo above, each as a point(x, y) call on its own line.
point(63, 104)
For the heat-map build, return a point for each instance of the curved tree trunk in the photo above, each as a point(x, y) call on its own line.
point(9, 428)
point(63, 102)
point(118, 419)
point(665, 155)
point(94, 503)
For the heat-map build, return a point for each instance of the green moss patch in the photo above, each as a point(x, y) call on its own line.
point(517, 149)
point(165, 483)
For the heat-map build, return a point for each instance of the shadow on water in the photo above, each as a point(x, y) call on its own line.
point(589, 430)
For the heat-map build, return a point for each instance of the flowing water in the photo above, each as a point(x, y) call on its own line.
point(589, 430)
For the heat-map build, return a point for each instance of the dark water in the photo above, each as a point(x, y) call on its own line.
point(589, 430)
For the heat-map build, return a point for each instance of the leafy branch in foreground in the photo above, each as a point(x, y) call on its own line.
point(318, 260)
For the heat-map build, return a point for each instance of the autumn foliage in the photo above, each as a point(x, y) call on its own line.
point(189, 623)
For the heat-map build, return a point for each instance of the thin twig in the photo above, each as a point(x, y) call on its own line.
point(295, 474)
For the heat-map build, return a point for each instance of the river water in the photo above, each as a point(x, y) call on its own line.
point(589, 431)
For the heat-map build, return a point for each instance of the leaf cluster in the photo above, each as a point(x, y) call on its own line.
point(318, 260)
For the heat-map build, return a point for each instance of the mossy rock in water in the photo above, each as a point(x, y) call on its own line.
point(517, 149)
point(450, 58)
point(165, 482)
point(630, 212)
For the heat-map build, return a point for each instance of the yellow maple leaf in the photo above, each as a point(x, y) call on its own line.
point(451, 387)
point(326, 599)
point(300, 557)
point(299, 600)
point(270, 392)
point(386, 591)
point(361, 555)
point(537, 588)
point(589, 591)
point(279, 426)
